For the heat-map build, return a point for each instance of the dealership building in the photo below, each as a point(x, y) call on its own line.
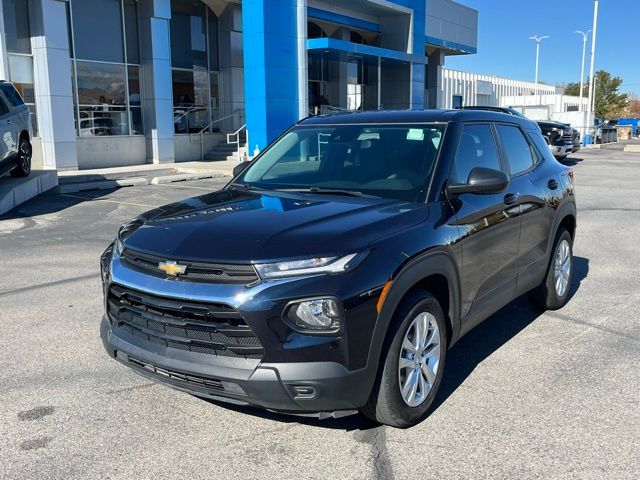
point(126, 82)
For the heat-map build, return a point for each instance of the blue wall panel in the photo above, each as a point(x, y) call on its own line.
point(270, 63)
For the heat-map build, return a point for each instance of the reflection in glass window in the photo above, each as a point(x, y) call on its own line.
point(16, 26)
point(105, 70)
point(194, 58)
point(98, 121)
point(100, 83)
point(19, 55)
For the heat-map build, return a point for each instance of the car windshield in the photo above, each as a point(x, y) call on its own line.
point(388, 161)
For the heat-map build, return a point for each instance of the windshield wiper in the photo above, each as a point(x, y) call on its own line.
point(327, 191)
point(244, 186)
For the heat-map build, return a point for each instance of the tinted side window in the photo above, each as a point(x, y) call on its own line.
point(3, 108)
point(476, 149)
point(517, 148)
point(13, 97)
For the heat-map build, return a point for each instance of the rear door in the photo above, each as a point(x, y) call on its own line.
point(489, 228)
point(530, 193)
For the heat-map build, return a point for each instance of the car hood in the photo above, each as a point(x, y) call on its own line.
point(237, 225)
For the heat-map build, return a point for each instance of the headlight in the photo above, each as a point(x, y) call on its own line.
point(316, 315)
point(310, 266)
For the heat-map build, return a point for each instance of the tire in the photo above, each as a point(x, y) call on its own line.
point(386, 404)
point(23, 162)
point(548, 295)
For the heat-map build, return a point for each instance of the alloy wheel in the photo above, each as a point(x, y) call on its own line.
point(562, 267)
point(25, 156)
point(419, 359)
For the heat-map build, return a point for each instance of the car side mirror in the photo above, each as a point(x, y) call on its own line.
point(241, 167)
point(481, 181)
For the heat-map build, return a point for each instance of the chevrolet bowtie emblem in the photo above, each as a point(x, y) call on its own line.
point(172, 268)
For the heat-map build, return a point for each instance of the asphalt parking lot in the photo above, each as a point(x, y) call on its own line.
point(525, 395)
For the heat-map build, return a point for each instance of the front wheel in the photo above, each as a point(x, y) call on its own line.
point(553, 292)
point(23, 162)
point(413, 361)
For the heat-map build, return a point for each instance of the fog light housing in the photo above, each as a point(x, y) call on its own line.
point(322, 315)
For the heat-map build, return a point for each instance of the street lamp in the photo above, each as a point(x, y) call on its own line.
point(584, 51)
point(538, 39)
point(593, 59)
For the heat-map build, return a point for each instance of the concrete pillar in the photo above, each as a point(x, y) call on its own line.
point(434, 79)
point(155, 59)
point(53, 90)
point(271, 44)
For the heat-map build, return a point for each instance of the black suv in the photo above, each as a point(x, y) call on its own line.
point(334, 271)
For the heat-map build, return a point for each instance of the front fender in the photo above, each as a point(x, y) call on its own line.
point(439, 262)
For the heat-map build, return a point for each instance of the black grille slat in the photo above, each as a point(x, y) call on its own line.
point(196, 271)
point(182, 324)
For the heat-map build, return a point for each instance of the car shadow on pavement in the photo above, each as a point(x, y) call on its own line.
point(492, 334)
point(53, 202)
point(571, 162)
point(462, 359)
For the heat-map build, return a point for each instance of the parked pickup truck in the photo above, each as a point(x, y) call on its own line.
point(559, 137)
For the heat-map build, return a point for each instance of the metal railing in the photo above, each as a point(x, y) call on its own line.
point(200, 135)
point(236, 141)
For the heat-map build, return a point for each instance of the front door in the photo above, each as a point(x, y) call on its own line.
point(489, 227)
point(8, 135)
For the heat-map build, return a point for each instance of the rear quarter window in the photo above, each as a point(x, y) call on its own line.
point(13, 97)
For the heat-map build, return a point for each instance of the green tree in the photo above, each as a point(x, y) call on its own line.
point(610, 103)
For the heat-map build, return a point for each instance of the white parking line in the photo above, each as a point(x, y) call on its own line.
point(89, 199)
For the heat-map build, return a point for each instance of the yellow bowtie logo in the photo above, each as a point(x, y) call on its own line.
point(172, 268)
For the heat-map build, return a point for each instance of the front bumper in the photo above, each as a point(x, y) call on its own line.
point(297, 373)
point(561, 150)
point(308, 387)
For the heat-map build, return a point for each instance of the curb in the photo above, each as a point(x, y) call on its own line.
point(102, 185)
point(164, 179)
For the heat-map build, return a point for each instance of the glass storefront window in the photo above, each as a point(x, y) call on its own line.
point(100, 83)
point(131, 31)
point(103, 120)
point(105, 75)
point(19, 55)
point(97, 30)
point(194, 58)
point(16, 26)
point(21, 75)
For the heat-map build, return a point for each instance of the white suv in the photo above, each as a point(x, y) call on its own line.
point(15, 132)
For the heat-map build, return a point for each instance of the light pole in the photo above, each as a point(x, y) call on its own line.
point(538, 39)
point(584, 51)
point(593, 60)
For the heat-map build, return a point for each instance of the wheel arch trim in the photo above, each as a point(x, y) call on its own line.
point(415, 270)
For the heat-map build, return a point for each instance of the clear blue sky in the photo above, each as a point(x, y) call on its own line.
point(505, 26)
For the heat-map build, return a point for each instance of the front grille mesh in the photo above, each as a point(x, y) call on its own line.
point(208, 328)
point(196, 271)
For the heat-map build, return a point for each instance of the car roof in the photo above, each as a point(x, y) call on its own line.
point(413, 116)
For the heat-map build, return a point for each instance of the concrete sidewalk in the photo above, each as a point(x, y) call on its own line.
point(149, 174)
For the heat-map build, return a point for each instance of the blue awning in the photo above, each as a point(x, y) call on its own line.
point(341, 46)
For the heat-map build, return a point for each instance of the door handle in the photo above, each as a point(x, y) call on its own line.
point(9, 122)
point(552, 184)
point(510, 198)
